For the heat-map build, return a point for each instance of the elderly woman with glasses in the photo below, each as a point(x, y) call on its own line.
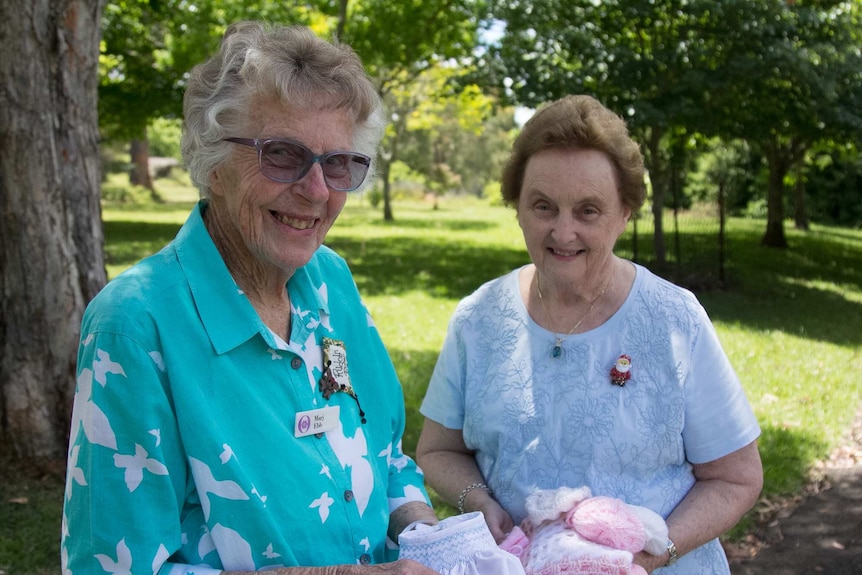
point(235, 408)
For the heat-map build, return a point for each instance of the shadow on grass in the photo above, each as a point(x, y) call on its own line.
point(414, 370)
point(127, 242)
point(787, 455)
point(765, 288)
point(444, 224)
point(400, 264)
point(776, 289)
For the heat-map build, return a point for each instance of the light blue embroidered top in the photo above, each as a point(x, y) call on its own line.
point(536, 421)
point(183, 453)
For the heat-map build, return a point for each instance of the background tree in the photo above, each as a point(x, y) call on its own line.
point(630, 55)
point(147, 51)
point(51, 260)
point(398, 42)
point(778, 75)
point(444, 116)
point(783, 77)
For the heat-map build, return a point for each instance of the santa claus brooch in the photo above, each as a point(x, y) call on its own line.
point(621, 372)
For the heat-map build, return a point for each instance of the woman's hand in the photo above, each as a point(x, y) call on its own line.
point(650, 562)
point(498, 519)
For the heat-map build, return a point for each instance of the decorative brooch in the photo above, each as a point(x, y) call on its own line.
point(621, 372)
point(335, 377)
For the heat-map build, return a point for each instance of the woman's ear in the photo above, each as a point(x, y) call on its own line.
point(216, 180)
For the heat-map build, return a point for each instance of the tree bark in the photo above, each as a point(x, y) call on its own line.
point(139, 150)
point(778, 167)
point(658, 170)
point(800, 205)
point(51, 243)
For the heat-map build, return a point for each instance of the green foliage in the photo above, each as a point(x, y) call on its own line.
point(149, 46)
point(834, 187)
point(780, 75)
point(399, 40)
point(164, 138)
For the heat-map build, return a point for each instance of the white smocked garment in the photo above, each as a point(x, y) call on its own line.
point(459, 545)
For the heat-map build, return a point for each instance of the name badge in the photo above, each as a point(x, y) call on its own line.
point(316, 420)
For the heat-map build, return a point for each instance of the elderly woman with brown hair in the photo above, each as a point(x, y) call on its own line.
point(585, 369)
point(236, 410)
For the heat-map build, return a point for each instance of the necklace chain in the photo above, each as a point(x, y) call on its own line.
point(558, 349)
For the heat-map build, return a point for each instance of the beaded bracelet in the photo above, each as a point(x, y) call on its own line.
point(467, 490)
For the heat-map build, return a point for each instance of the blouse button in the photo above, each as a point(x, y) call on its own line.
point(348, 495)
point(365, 559)
point(296, 363)
point(318, 435)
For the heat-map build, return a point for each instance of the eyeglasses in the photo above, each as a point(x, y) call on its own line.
point(288, 161)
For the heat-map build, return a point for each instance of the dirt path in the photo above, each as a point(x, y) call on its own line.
point(819, 534)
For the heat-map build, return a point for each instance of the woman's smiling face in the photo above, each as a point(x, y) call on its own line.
point(280, 225)
point(570, 212)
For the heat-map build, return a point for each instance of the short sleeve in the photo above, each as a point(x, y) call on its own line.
point(444, 399)
point(715, 400)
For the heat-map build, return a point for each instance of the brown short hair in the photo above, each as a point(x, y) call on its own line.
point(577, 122)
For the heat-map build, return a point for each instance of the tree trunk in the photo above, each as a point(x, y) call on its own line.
point(140, 153)
point(342, 20)
point(800, 211)
point(658, 182)
point(387, 193)
point(778, 166)
point(51, 243)
point(389, 157)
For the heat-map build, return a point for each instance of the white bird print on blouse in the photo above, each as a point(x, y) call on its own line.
point(135, 465)
point(312, 356)
point(323, 290)
point(123, 563)
point(226, 454)
point(88, 417)
point(270, 554)
point(162, 555)
point(156, 356)
point(233, 550)
point(351, 452)
point(206, 545)
point(398, 463)
point(103, 365)
point(76, 474)
point(323, 503)
point(207, 484)
point(296, 311)
point(258, 494)
point(273, 354)
point(411, 493)
point(64, 561)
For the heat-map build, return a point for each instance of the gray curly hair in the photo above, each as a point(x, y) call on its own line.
point(289, 63)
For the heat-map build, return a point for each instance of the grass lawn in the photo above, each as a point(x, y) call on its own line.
point(790, 320)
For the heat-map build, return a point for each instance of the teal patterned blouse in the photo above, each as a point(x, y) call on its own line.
point(188, 454)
